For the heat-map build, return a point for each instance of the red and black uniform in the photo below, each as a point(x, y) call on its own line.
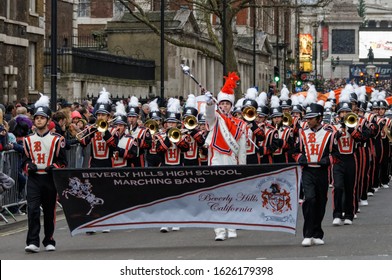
point(385, 158)
point(269, 144)
point(103, 145)
point(42, 153)
point(125, 151)
point(285, 143)
point(196, 140)
point(344, 171)
point(172, 153)
point(315, 150)
point(143, 142)
point(256, 134)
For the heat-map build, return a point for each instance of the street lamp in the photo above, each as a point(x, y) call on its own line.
point(315, 27)
point(10, 73)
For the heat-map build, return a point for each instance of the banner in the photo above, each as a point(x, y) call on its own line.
point(256, 197)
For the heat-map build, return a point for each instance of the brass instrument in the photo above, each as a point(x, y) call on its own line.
point(351, 120)
point(388, 132)
point(190, 122)
point(100, 126)
point(249, 113)
point(152, 126)
point(287, 119)
point(174, 135)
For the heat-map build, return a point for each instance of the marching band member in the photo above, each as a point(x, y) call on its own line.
point(315, 151)
point(285, 134)
point(363, 154)
point(226, 139)
point(237, 112)
point(153, 159)
point(201, 120)
point(196, 138)
point(344, 171)
point(385, 125)
point(255, 134)
point(140, 134)
point(172, 147)
point(44, 151)
point(102, 142)
point(285, 101)
point(270, 142)
point(377, 141)
point(127, 147)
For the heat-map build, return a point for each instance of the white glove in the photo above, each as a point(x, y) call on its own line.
point(209, 98)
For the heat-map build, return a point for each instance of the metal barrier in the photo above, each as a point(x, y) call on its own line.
point(9, 165)
point(77, 157)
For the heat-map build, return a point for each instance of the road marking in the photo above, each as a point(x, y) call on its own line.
point(14, 231)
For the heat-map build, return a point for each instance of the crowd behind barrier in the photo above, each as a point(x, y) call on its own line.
point(15, 198)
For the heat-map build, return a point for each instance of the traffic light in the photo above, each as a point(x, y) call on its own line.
point(298, 83)
point(361, 77)
point(377, 75)
point(276, 74)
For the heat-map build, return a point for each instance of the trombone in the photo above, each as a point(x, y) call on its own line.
point(190, 122)
point(351, 120)
point(174, 135)
point(287, 119)
point(249, 113)
point(100, 126)
point(152, 126)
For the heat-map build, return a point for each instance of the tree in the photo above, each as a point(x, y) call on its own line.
point(211, 18)
point(362, 10)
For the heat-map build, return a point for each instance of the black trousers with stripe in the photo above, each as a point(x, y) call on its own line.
point(315, 186)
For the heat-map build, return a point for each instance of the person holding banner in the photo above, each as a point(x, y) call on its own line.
point(316, 149)
point(226, 139)
point(44, 151)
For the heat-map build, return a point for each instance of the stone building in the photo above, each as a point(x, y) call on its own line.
point(22, 32)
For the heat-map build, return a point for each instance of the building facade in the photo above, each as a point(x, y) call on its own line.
point(22, 33)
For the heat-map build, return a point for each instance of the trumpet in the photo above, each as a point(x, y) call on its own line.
point(351, 120)
point(174, 135)
point(249, 113)
point(100, 126)
point(152, 126)
point(190, 122)
point(287, 119)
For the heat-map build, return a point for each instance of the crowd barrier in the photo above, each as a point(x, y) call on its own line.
point(10, 162)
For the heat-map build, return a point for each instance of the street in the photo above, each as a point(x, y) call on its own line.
point(369, 238)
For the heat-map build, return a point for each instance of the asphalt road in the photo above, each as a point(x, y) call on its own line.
point(369, 238)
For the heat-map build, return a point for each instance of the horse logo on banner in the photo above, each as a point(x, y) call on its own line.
point(83, 191)
point(276, 200)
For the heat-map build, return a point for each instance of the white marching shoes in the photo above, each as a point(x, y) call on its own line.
point(32, 248)
point(220, 234)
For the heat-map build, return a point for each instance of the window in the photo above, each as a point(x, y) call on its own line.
point(84, 8)
point(32, 7)
point(31, 66)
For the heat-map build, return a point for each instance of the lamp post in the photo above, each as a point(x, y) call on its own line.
point(315, 27)
point(10, 73)
point(321, 58)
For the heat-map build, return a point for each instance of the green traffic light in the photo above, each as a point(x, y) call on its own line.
point(299, 83)
point(276, 79)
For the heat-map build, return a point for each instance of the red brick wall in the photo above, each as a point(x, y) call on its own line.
point(101, 8)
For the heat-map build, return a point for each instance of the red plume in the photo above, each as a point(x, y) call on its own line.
point(231, 83)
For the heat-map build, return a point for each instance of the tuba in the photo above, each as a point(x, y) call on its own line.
point(287, 119)
point(190, 122)
point(351, 120)
point(152, 126)
point(249, 113)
